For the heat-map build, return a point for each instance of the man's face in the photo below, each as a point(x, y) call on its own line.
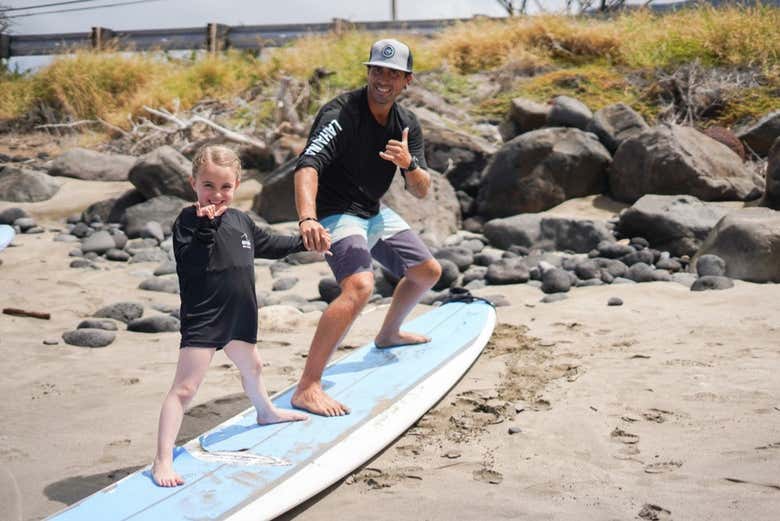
point(385, 85)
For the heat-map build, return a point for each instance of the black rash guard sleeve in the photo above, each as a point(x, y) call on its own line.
point(327, 141)
point(269, 246)
point(193, 238)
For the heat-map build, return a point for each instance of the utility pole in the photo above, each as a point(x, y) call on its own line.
point(393, 13)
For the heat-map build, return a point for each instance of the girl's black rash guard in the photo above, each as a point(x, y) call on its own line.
point(215, 265)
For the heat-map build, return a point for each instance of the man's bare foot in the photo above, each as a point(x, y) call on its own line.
point(164, 475)
point(313, 399)
point(280, 416)
point(401, 338)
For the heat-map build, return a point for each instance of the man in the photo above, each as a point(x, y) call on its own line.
point(357, 142)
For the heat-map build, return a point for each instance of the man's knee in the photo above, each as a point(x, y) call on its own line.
point(358, 287)
point(426, 273)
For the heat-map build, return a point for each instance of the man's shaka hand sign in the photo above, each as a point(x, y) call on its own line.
point(397, 152)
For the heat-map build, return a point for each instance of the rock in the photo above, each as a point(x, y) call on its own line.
point(90, 165)
point(276, 202)
point(671, 160)
point(641, 272)
point(555, 280)
point(154, 324)
point(760, 136)
point(671, 265)
point(676, 223)
point(163, 209)
point(588, 269)
point(329, 289)
point(153, 230)
point(460, 156)
point(546, 232)
point(99, 242)
point(488, 256)
point(149, 255)
point(118, 209)
point(612, 249)
point(569, 112)
point(167, 267)
point(474, 273)
point(304, 257)
point(748, 240)
point(686, 279)
point(121, 311)
point(726, 137)
point(612, 267)
point(10, 215)
point(473, 224)
point(51, 342)
point(437, 215)
point(771, 197)
point(65, 237)
point(644, 256)
point(710, 265)
point(162, 284)
point(524, 116)
point(25, 223)
point(135, 246)
point(98, 212)
point(82, 263)
point(514, 429)
point(34, 229)
point(507, 271)
point(89, 337)
point(615, 301)
point(449, 274)
point(284, 283)
point(120, 239)
point(22, 185)
point(461, 257)
point(615, 123)
point(541, 169)
point(708, 282)
point(91, 323)
point(162, 172)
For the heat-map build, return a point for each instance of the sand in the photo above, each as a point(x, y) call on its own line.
point(667, 407)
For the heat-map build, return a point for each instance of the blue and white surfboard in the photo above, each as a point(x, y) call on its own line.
point(7, 234)
point(242, 471)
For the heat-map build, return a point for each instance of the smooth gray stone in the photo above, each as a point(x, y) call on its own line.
point(66, 237)
point(82, 263)
point(150, 255)
point(710, 265)
point(556, 280)
point(99, 242)
point(117, 255)
point(92, 323)
point(121, 311)
point(555, 297)
point(615, 301)
point(161, 284)
point(709, 282)
point(89, 337)
point(284, 283)
point(168, 267)
point(154, 324)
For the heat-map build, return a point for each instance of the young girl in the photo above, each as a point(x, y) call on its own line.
point(215, 247)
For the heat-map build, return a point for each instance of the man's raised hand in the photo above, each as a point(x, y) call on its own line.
point(397, 152)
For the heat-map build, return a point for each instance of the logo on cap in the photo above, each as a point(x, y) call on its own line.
point(388, 51)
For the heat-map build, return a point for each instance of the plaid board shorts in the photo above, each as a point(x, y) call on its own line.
point(385, 237)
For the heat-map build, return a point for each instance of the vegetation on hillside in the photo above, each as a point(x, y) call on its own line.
point(650, 61)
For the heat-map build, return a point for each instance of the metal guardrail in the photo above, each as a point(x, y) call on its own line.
point(214, 37)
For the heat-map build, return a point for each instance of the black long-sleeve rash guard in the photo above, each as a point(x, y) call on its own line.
point(344, 146)
point(215, 265)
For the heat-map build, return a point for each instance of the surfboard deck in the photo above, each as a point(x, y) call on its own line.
point(7, 235)
point(240, 470)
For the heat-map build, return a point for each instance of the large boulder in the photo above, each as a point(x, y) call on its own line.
point(163, 171)
point(524, 116)
point(540, 169)
point(616, 123)
point(759, 137)
point(437, 215)
point(460, 156)
point(748, 240)
point(675, 223)
point(772, 192)
point(534, 231)
point(90, 165)
point(276, 201)
point(163, 209)
point(22, 185)
point(671, 160)
point(569, 112)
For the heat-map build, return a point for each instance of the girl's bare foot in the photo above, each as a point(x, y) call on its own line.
point(280, 416)
point(164, 475)
point(402, 338)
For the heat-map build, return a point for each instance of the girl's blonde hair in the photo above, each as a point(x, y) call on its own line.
point(218, 155)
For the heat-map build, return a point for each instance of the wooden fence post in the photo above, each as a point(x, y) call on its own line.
point(100, 38)
point(217, 37)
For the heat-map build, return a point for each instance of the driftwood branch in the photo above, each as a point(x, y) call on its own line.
point(68, 125)
point(26, 313)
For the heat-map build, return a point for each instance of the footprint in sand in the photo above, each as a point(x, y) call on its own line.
point(622, 436)
point(488, 476)
point(654, 513)
point(657, 415)
point(662, 467)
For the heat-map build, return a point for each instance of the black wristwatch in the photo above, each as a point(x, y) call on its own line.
point(412, 165)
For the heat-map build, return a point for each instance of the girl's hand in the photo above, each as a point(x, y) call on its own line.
point(210, 211)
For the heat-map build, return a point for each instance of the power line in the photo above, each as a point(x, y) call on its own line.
point(54, 4)
point(90, 8)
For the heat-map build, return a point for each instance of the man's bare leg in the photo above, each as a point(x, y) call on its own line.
point(407, 294)
point(333, 326)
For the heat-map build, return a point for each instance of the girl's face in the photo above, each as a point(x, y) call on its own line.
point(215, 185)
